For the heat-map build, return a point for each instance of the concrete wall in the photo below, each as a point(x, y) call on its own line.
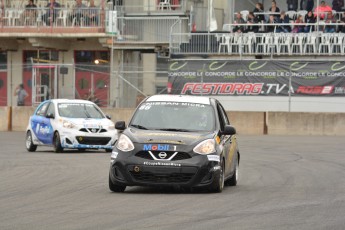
point(280, 123)
point(246, 123)
point(4, 118)
point(20, 117)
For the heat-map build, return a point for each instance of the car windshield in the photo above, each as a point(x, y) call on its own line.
point(79, 110)
point(174, 116)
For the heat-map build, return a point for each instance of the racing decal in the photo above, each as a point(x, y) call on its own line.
point(159, 147)
point(42, 129)
point(213, 158)
point(166, 141)
point(160, 163)
point(149, 104)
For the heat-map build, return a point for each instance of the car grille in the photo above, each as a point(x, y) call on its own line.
point(93, 140)
point(178, 156)
point(93, 130)
point(162, 177)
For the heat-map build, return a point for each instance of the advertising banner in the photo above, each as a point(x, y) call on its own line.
point(257, 77)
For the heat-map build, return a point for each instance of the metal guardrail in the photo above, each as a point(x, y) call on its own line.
point(150, 6)
point(57, 17)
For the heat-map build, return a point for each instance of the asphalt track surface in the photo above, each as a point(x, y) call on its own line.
point(286, 182)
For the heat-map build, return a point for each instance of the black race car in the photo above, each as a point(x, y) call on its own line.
point(173, 140)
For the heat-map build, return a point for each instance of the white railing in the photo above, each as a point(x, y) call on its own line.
point(271, 43)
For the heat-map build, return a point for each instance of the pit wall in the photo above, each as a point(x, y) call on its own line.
point(246, 123)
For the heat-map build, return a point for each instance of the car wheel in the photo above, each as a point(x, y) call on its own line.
point(29, 144)
point(218, 181)
point(233, 180)
point(116, 187)
point(57, 143)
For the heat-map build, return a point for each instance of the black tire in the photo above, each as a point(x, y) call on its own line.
point(232, 181)
point(29, 144)
point(218, 181)
point(116, 187)
point(57, 143)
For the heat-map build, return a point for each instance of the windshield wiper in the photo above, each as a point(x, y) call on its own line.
point(176, 130)
point(139, 127)
point(86, 112)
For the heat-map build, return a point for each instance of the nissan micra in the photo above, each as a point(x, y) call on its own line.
point(174, 140)
point(72, 124)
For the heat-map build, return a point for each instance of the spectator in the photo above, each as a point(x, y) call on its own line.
point(330, 19)
point(307, 5)
point(79, 13)
point(283, 19)
point(21, 95)
point(239, 20)
point(292, 4)
point(259, 8)
point(271, 20)
point(322, 9)
point(274, 9)
point(51, 13)
point(298, 28)
point(252, 21)
point(337, 5)
point(30, 12)
point(309, 18)
point(93, 17)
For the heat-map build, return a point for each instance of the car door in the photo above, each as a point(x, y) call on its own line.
point(228, 141)
point(41, 125)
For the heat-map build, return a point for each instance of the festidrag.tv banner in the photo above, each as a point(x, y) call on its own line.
point(257, 77)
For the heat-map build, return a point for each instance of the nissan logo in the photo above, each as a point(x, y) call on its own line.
point(162, 155)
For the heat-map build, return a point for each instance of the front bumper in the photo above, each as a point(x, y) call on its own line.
point(193, 172)
point(81, 140)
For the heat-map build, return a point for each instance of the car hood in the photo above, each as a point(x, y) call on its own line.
point(167, 137)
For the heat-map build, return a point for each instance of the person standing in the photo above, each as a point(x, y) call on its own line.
point(259, 12)
point(21, 95)
point(337, 5)
point(79, 13)
point(52, 12)
point(274, 10)
point(292, 4)
point(307, 5)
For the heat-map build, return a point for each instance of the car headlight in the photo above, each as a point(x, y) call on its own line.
point(205, 147)
point(124, 144)
point(68, 124)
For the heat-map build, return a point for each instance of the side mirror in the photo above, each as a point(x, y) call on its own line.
point(50, 115)
point(229, 130)
point(107, 116)
point(120, 125)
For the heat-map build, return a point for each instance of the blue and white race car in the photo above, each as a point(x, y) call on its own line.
point(72, 124)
